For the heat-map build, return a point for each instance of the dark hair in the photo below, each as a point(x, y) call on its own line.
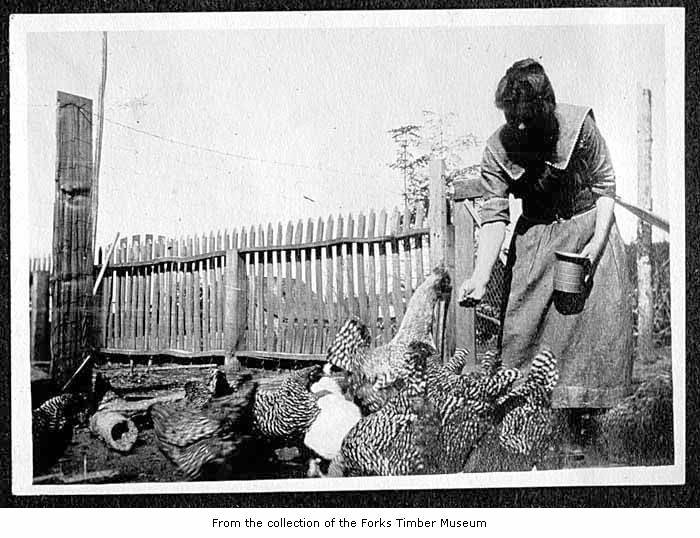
point(525, 83)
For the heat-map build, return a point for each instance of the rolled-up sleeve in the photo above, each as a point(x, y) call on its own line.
point(597, 159)
point(495, 186)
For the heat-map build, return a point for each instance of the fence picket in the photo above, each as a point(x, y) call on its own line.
point(418, 257)
point(148, 305)
point(383, 286)
point(361, 292)
point(341, 313)
point(270, 291)
point(350, 269)
point(320, 338)
point(289, 292)
point(372, 279)
point(260, 291)
point(309, 317)
point(396, 296)
point(407, 255)
point(330, 292)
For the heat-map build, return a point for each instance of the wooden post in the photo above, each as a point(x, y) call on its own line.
point(40, 345)
point(441, 254)
point(465, 336)
point(72, 238)
point(234, 313)
point(437, 214)
point(645, 297)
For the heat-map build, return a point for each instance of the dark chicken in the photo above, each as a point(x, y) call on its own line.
point(52, 427)
point(203, 438)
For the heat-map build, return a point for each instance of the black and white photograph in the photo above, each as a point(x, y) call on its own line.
point(332, 251)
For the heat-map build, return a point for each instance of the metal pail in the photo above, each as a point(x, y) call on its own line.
point(570, 272)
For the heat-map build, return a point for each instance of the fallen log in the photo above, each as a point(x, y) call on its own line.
point(135, 407)
point(117, 431)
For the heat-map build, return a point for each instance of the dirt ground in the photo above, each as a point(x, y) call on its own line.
point(145, 463)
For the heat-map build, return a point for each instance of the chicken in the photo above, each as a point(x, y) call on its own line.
point(465, 404)
point(527, 425)
point(52, 427)
point(394, 440)
point(376, 375)
point(285, 413)
point(203, 438)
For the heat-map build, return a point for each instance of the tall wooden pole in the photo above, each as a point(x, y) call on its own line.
point(98, 138)
point(72, 237)
point(645, 297)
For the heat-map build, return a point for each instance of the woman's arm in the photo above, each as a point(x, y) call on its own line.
point(491, 238)
point(603, 223)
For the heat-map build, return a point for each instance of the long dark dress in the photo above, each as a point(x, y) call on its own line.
point(590, 333)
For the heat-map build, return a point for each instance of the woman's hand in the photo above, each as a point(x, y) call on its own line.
point(471, 292)
point(592, 251)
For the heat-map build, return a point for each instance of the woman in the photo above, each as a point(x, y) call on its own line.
point(555, 160)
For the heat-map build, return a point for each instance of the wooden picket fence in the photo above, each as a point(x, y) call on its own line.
point(299, 284)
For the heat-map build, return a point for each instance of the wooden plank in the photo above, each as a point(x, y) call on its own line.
point(281, 356)
point(220, 301)
point(163, 318)
point(383, 280)
point(206, 296)
point(125, 291)
point(174, 353)
point(196, 298)
point(233, 324)
point(341, 307)
point(280, 300)
point(297, 292)
point(465, 336)
point(289, 292)
point(189, 312)
point(41, 330)
point(330, 291)
point(373, 313)
point(407, 257)
point(437, 216)
point(419, 254)
point(105, 294)
point(181, 297)
point(171, 301)
point(72, 239)
point(361, 292)
point(270, 291)
point(133, 294)
point(352, 308)
point(140, 295)
point(309, 315)
point(319, 340)
point(147, 303)
point(396, 295)
point(260, 289)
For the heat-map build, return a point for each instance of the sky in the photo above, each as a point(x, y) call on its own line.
point(208, 130)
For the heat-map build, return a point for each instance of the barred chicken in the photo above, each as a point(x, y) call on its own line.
point(523, 424)
point(527, 425)
point(52, 427)
point(376, 375)
point(285, 413)
point(465, 405)
point(394, 440)
point(203, 438)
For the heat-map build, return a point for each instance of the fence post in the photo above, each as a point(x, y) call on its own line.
point(645, 298)
point(234, 301)
point(465, 336)
point(39, 337)
point(441, 253)
point(73, 252)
